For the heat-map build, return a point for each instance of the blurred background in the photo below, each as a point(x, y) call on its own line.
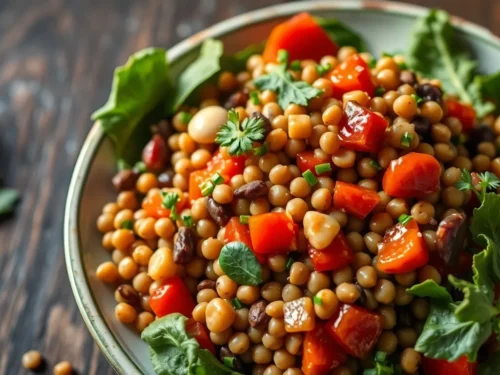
point(56, 64)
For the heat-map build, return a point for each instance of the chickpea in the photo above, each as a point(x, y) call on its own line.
point(343, 275)
point(366, 276)
point(219, 315)
point(63, 368)
point(239, 343)
point(384, 291)
point(248, 294)
point(199, 312)
point(422, 212)
point(125, 313)
point(276, 327)
point(410, 360)
point(348, 293)
point(107, 272)
point(405, 106)
point(32, 359)
point(388, 342)
point(226, 288)
point(321, 199)
point(241, 320)
point(221, 338)
point(317, 281)
point(388, 317)
point(272, 342)
point(261, 355)
point(127, 268)
point(290, 292)
point(223, 194)
point(283, 360)
point(271, 291)
point(326, 304)
point(161, 264)
point(122, 239)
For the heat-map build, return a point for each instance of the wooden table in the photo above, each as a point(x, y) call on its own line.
point(56, 63)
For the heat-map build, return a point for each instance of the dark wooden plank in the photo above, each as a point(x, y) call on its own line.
point(56, 64)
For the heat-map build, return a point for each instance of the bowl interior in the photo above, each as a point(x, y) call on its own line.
point(385, 27)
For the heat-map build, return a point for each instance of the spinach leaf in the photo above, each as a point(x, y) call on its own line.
point(445, 337)
point(476, 305)
point(341, 34)
point(432, 290)
point(174, 352)
point(281, 82)
point(476, 88)
point(138, 87)
point(436, 52)
point(240, 264)
point(490, 367)
point(204, 67)
point(8, 199)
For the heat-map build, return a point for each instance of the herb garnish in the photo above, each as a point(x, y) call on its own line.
point(375, 164)
point(281, 82)
point(127, 224)
point(8, 199)
point(169, 201)
point(188, 221)
point(240, 264)
point(239, 138)
point(310, 177)
point(406, 139)
point(417, 98)
point(487, 181)
point(383, 366)
point(404, 219)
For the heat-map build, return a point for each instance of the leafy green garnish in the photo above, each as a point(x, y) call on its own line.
point(487, 181)
point(169, 202)
point(204, 67)
point(138, 87)
point(240, 264)
point(341, 34)
point(436, 51)
point(174, 352)
point(8, 199)
point(239, 138)
point(430, 289)
point(383, 366)
point(281, 82)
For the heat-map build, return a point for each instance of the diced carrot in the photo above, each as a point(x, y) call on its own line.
point(335, 256)
point(299, 315)
point(403, 249)
point(355, 200)
point(307, 160)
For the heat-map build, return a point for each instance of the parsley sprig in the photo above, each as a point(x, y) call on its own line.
point(169, 201)
point(487, 181)
point(240, 137)
point(281, 82)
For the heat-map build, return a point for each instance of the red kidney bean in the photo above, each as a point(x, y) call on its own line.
point(155, 153)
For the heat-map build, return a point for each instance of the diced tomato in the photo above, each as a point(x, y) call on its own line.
point(172, 297)
point(352, 74)
point(464, 112)
point(403, 249)
point(296, 35)
point(412, 175)
point(273, 232)
point(443, 367)
point(335, 256)
point(321, 353)
point(354, 199)
point(153, 203)
point(362, 130)
point(199, 332)
point(235, 231)
point(227, 167)
point(355, 329)
point(306, 160)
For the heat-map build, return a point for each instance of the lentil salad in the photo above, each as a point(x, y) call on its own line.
point(296, 243)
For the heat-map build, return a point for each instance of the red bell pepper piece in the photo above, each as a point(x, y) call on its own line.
point(235, 231)
point(199, 332)
point(335, 256)
point(306, 160)
point(354, 199)
point(153, 203)
point(403, 249)
point(273, 232)
point(464, 112)
point(321, 353)
point(352, 74)
point(155, 153)
point(355, 329)
point(362, 130)
point(443, 367)
point(412, 175)
point(296, 35)
point(172, 297)
point(226, 167)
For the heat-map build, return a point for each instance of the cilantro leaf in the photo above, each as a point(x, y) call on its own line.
point(465, 183)
point(240, 138)
point(169, 201)
point(281, 82)
point(430, 289)
point(485, 224)
point(341, 34)
point(445, 337)
point(8, 199)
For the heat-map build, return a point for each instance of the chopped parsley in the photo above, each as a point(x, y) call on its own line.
point(254, 98)
point(310, 177)
point(169, 201)
point(406, 139)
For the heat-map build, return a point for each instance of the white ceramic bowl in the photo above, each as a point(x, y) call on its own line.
point(385, 25)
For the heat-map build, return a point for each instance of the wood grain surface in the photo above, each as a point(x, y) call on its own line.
point(56, 63)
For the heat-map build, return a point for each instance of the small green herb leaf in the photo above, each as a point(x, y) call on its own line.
point(127, 224)
point(240, 264)
point(8, 199)
point(169, 202)
point(430, 289)
point(240, 138)
point(310, 177)
point(341, 34)
point(404, 219)
point(281, 82)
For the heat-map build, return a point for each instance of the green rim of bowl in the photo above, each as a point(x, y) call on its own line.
point(105, 338)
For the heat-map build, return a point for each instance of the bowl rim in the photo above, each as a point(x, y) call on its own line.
point(92, 316)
